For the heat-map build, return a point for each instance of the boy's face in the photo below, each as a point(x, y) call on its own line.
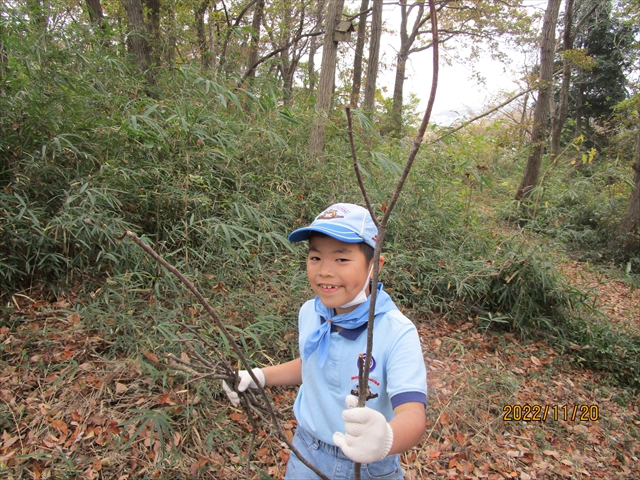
point(337, 271)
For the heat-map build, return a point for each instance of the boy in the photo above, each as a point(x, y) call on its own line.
point(332, 334)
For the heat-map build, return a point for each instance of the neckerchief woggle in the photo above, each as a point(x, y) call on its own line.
point(320, 338)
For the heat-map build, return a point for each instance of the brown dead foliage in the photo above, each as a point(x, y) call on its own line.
point(67, 411)
point(619, 303)
point(479, 381)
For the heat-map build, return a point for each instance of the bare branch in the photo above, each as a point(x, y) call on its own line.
point(277, 51)
point(357, 168)
point(363, 382)
point(490, 111)
point(482, 115)
point(218, 323)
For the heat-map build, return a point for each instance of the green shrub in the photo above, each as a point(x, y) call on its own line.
point(596, 345)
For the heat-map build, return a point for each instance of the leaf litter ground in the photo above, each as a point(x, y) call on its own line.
point(68, 411)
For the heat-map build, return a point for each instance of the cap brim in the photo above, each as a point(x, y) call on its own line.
point(335, 231)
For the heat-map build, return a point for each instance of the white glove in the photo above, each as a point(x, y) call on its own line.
point(245, 382)
point(368, 436)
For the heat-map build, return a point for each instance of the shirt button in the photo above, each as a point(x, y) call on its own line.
point(333, 366)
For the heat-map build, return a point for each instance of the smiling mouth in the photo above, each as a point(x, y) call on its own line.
point(328, 287)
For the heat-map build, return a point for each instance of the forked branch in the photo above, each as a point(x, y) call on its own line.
point(229, 370)
point(382, 225)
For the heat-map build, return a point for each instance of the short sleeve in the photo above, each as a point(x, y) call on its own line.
point(406, 371)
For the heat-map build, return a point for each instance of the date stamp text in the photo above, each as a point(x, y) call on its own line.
point(540, 413)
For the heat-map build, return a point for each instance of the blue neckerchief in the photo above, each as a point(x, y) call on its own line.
point(320, 338)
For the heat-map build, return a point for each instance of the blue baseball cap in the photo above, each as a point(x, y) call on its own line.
point(343, 221)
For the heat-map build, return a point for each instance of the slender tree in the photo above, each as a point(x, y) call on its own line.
point(288, 59)
point(137, 40)
point(295, 42)
point(233, 23)
point(630, 225)
point(256, 22)
point(327, 79)
point(407, 39)
point(314, 45)
point(357, 60)
point(523, 119)
point(201, 32)
point(289, 30)
point(212, 42)
point(152, 13)
point(374, 55)
point(464, 23)
point(547, 52)
point(4, 56)
point(561, 113)
point(570, 61)
point(96, 15)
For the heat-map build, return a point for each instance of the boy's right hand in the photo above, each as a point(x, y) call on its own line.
point(245, 381)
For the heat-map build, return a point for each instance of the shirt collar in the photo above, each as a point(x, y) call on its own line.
point(348, 333)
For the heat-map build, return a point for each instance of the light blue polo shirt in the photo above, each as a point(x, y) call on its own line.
point(398, 374)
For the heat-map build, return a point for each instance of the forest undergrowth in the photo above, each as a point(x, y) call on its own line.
point(72, 410)
point(81, 401)
point(214, 177)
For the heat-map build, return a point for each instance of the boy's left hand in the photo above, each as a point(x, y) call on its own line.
point(368, 436)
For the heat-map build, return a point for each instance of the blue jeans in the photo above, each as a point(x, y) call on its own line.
point(330, 460)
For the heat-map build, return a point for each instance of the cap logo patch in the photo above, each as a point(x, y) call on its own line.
point(329, 214)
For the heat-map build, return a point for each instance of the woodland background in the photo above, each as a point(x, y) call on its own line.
point(214, 128)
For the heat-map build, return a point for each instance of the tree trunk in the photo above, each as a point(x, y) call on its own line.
point(395, 127)
point(523, 118)
point(357, 62)
point(255, 36)
point(630, 225)
point(579, 104)
point(406, 41)
point(285, 66)
point(96, 15)
point(313, 48)
point(287, 85)
point(561, 114)
point(152, 10)
point(201, 33)
point(311, 65)
point(137, 38)
point(374, 55)
point(4, 58)
point(547, 50)
point(327, 80)
point(172, 40)
point(212, 44)
point(288, 72)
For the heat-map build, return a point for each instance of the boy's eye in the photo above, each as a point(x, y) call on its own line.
point(314, 259)
point(340, 260)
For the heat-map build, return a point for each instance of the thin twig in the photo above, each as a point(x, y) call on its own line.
point(482, 115)
point(486, 113)
point(412, 155)
point(206, 343)
point(356, 168)
point(218, 323)
point(180, 364)
point(189, 368)
point(382, 226)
